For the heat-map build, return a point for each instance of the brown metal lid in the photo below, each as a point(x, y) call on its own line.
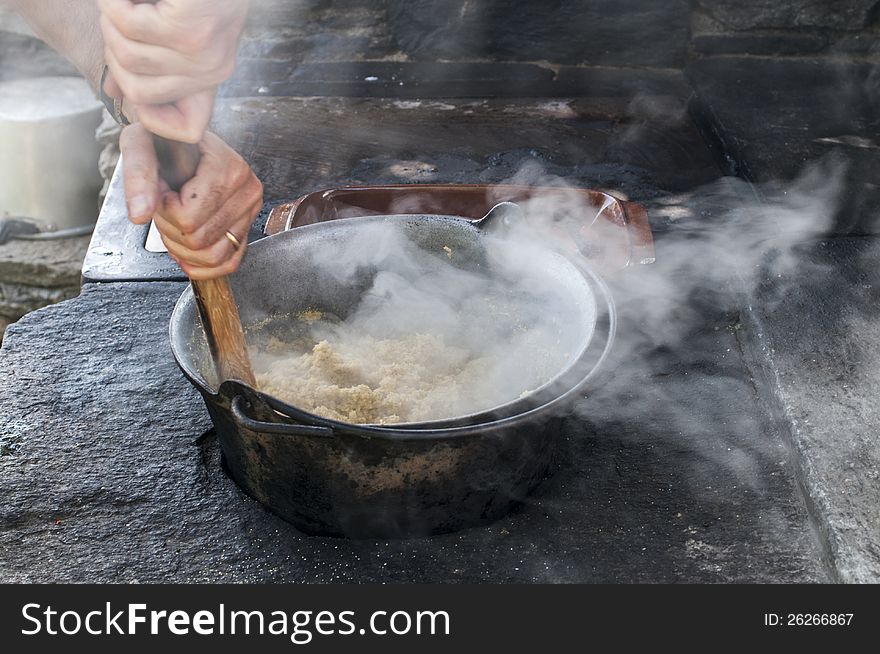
point(610, 233)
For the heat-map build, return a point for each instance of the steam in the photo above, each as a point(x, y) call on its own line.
point(677, 367)
point(503, 315)
point(448, 323)
point(730, 237)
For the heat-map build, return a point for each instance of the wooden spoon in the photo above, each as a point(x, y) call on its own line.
point(222, 324)
point(177, 165)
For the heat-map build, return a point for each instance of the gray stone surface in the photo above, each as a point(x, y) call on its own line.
point(109, 474)
point(316, 30)
point(711, 37)
point(815, 327)
point(821, 341)
point(34, 274)
point(758, 43)
point(772, 116)
point(18, 299)
point(50, 263)
point(606, 32)
point(603, 32)
point(866, 42)
point(365, 140)
point(749, 14)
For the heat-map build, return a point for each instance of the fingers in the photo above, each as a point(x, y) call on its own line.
point(141, 173)
point(213, 65)
point(239, 210)
point(223, 187)
point(224, 196)
point(216, 255)
point(186, 120)
point(153, 89)
point(139, 22)
point(168, 58)
point(220, 258)
point(191, 27)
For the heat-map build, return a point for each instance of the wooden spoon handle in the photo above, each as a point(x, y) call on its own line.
point(178, 161)
point(222, 324)
point(223, 329)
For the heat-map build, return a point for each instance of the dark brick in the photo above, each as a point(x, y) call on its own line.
point(612, 32)
point(759, 43)
point(763, 14)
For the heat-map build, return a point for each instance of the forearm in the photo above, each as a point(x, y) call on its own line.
point(70, 27)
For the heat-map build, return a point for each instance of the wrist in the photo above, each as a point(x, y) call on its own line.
point(115, 103)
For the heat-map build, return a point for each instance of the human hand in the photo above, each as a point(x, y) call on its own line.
point(223, 198)
point(168, 58)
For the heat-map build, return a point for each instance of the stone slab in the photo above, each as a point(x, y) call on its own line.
point(763, 42)
point(34, 274)
point(709, 36)
point(772, 116)
point(820, 337)
point(444, 79)
point(110, 473)
point(601, 32)
point(298, 145)
point(749, 14)
point(865, 42)
point(49, 263)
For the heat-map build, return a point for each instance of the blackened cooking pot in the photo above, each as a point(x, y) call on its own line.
point(335, 478)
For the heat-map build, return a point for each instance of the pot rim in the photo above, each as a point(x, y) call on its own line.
point(477, 421)
point(436, 430)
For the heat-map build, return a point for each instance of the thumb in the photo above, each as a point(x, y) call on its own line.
point(141, 172)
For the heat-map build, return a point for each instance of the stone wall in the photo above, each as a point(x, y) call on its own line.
point(790, 14)
point(786, 27)
point(654, 33)
point(666, 34)
point(600, 32)
point(558, 32)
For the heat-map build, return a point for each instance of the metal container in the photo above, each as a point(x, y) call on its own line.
point(48, 152)
point(341, 479)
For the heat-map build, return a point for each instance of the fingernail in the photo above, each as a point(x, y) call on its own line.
point(139, 206)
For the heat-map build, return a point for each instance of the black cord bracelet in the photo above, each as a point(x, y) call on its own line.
point(113, 105)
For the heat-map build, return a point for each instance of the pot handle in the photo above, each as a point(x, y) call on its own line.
point(284, 429)
point(641, 239)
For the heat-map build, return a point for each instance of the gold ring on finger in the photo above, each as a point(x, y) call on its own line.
point(232, 239)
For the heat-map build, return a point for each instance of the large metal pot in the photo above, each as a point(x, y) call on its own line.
point(335, 478)
point(49, 174)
